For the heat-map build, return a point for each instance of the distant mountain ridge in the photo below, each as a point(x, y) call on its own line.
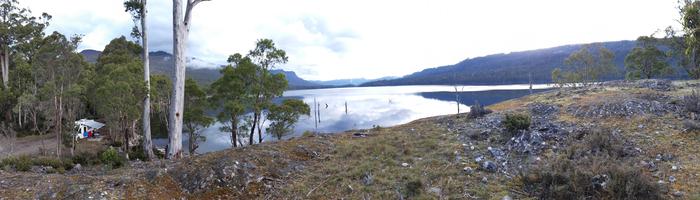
point(201, 71)
point(351, 82)
point(511, 68)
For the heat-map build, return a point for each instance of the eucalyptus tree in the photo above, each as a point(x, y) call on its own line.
point(138, 11)
point(690, 46)
point(285, 115)
point(17, 28)
point(59, 70)
point(646, 60)
point(233, 93)
point(585, 66)
point(195, 118)
point(181, 29)
point(120, 89)
point(266, 55)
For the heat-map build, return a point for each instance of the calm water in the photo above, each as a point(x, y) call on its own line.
point(369, 106)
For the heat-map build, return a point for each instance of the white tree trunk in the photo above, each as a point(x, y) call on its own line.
point(5, 65)
point(180, 30)
point(147, 142)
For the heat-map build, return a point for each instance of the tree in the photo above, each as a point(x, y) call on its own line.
point(120, 88)
point(195, 118)
point(285, 115)
point(646, 60)
point(233, 92)
point(181, 28)
point(138, 11)
point(690, 19)
point(60, 70)
point(585, 68)
point(17, 29)
point(266, 56)
point(161, 90)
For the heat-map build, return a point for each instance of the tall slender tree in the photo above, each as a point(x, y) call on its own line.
point(17, 28)
point(138, 11)
point(266, 56)
point(60, 68)
point(181, 29)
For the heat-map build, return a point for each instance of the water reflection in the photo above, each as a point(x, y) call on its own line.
point(369, 106)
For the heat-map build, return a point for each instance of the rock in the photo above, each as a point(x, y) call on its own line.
point(507, 197)
point(671, 179)
point(77, 167)
point(489, 166)
point(368, 179)
point(477, 134)
point(542, 109)
point(435, 190)
point(600, 181)
point(404, 164)
point(484, 180)
point(468, 170)
point(496, 153)
point(478, 158)
point(678, 194)
point(649, 165)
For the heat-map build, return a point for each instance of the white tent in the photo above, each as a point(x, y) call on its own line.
point(84, 125)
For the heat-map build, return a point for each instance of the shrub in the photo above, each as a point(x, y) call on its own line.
point(413, 188)
point(594, 167)
point(516, 122)
point(307, 134)
point(477, 111)
point(111, 158)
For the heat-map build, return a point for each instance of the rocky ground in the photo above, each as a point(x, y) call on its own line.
point(618, 140)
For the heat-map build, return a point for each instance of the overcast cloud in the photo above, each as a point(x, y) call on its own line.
point(368, 38)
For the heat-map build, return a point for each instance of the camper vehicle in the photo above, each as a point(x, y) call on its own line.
point(86, 128)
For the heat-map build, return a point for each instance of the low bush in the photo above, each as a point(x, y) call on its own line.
point(594, 167)
point(413, 188)
point(514, 122)
point(24, 163)
point(477, 111)
point(111, 158)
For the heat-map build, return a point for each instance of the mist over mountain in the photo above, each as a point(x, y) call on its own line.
point(512, 68)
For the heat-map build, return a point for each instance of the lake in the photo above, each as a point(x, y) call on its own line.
point(375, 106)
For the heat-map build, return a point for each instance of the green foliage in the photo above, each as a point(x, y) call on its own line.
point(307, 134)
point(690, 19)
point(234, 92)
point(584, 67)
point(111, 158)
point(161, 88)
point(514, 122)
point(646, 60)
point(24, 163)
point(194, 117)
point(119, 89)
point(285, 115)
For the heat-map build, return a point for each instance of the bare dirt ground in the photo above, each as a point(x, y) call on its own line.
point(29, 145)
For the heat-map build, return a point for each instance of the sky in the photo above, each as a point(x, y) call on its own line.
point(329, 39)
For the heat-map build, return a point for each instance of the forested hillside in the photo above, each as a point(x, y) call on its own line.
point(203, 72)
point(511, 68)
